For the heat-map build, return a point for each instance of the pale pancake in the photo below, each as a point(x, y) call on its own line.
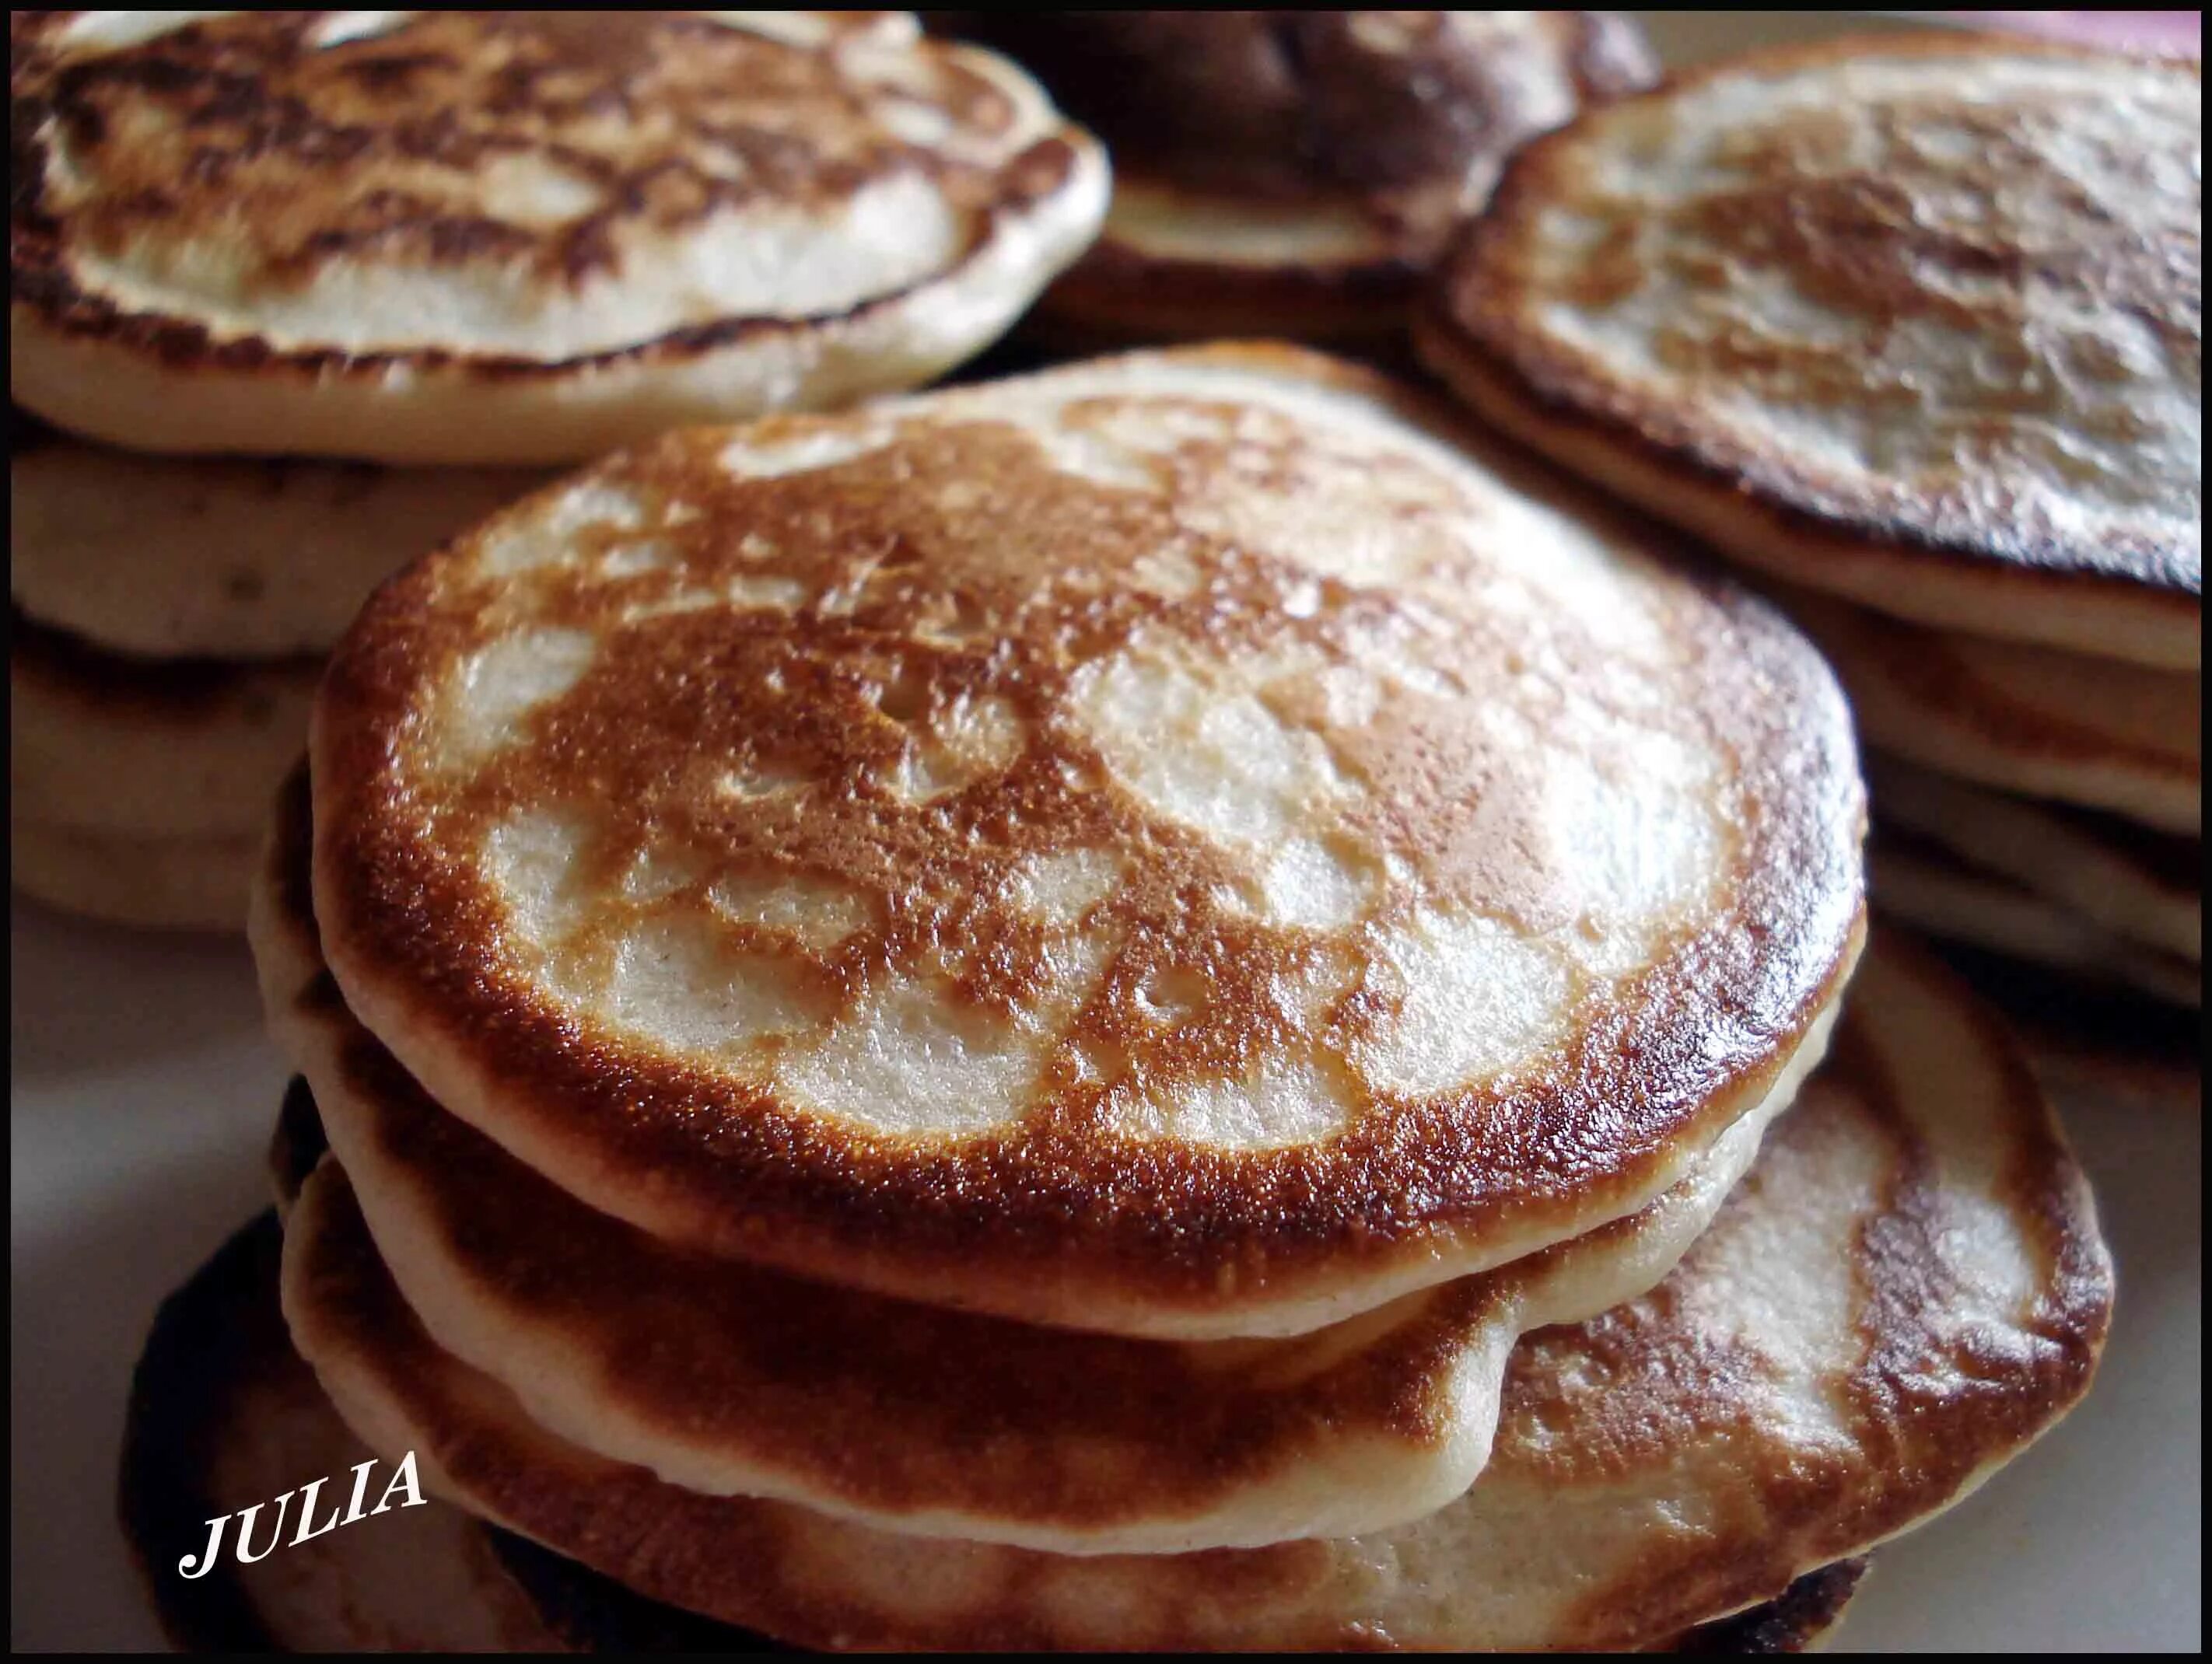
point(1173, 846)
point(2146, 886)
point(1915, 320)
point(169, 884)
point(922, 1420)
point(2092, 731)
point(1296, 174)
point(219, 559)
point(1928, 887)
point(223, 1414)
point(149, 748)
point(1907, 1289)
point(475, 237)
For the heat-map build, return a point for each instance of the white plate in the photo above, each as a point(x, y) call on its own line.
point(143, 1093)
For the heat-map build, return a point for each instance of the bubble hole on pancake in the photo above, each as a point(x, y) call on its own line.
point(1915, 320)
point(1171, 846)
point(212, 558)
point(1907, 1289)
point(508, 238)
point(2146, 886)
point(726, 1379)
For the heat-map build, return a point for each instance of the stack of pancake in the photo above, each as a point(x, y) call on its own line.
point(1294, 173)
point(1912, 327)
point(1164, 1005)
point(434, 254)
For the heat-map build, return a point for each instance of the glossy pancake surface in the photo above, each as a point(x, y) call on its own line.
point(1907, 1289)
point(728, 1379)
point(478, 237)
point(1916, 319)
point(1296, 173)
point(1171, 846)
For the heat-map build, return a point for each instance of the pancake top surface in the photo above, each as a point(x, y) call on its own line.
point(1171, 821)
point(523, 189)
point(1939, 290)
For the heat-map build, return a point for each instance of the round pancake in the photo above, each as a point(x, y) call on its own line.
point(1928, 887)
point(2084, 731)
point(2146, 886)
point(477, 237)
point(148, 749)
point(223, 1414)
point(1170, 846)
point(219, 559)
point(167, 883)
point(728, 1379)
point(1907, 1289)
point(1295, 174)
point(1915, 320)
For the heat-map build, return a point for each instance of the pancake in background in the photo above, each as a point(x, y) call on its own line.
point(1192, 845)
point(1295, 174)
point(205, 558)
point(148, 749)
point(2083, 731)
point(476, 237)
point(1907, 1289)
point(1926, 885)
point(2130, 881)
point(161, 882)
point(1914, 319)
point(224, 1414)
point(917, 1418)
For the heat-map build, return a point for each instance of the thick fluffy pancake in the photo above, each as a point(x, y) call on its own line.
point(224, 1415)
point(1296, 173)
point(1926, 885)
point(725, 1378)
point(2091, 732)
point(168, 884)
point(219, 559)
point(143, 748)
point(2144, 885)
point(1170, 846)
point(1907, 1289)
point(469, 237)
point(1913, 320)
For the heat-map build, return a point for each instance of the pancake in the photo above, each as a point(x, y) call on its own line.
point(153, 749)
point(1295, 174)
point(224, 1414)
point(2096, 733)
point(164, 883)
point(1172, 846)
point(219, 559)
point(2146, 886)
point(922, 1420)
point(1915, 320)
point(509, 238)
point(1907, 1289)
point(1925, 885)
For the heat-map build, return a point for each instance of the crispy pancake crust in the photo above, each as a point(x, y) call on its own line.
point(917, 1418)
point(1908, 1289)
point(511, 237)
point(1182, 840)
point(1296, 174)
point(1996, 533)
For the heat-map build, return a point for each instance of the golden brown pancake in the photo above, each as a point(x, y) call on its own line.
point(224, 1414)
point(1295, 174)
point(1175, 846)
point(1916, 319)
point(920, 1419)
point(511, 237)
point(1908, 1289)
point(2089, 731)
